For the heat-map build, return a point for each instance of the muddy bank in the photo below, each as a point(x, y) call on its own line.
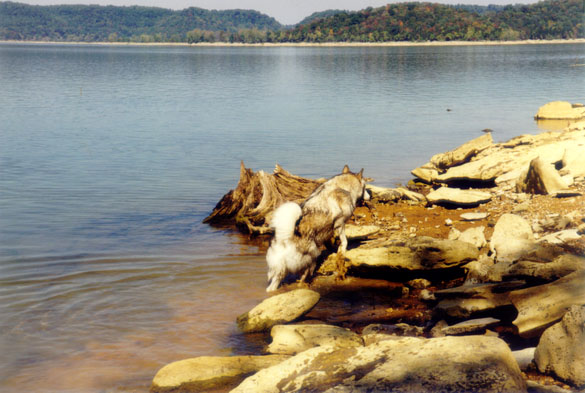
point(470, 279)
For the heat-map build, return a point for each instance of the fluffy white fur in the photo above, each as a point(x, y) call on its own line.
point(283, 256)
point(300, 230)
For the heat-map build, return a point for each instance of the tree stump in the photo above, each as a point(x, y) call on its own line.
point(250, 205)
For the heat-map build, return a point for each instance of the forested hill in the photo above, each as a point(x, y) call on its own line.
point(111, 23)
point(551, 19)
point(548, 19)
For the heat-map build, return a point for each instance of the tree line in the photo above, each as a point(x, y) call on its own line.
point(549, 19)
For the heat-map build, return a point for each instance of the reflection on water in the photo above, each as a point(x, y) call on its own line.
point(115, 326)
point(554, 125)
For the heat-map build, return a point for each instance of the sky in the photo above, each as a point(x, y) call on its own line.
point(287, 12)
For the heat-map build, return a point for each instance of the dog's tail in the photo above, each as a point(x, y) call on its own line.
point(284, 221)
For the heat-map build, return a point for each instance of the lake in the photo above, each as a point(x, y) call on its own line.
point(111, 156)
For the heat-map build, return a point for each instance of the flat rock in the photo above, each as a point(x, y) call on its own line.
point(408, 364)
point(278, 309)
point(468, 307)
point(541, 306)
point(292, 339)
point(560, 110)
point(458, 197)
point(561, 236)
point(462, 153)
point(474, 216)
point(548, 271)
point(209, 372)
point(384, 194)
point(421, 253)
point(360, 232)
point(512, 238)
point(470, 326)
point(561, 348)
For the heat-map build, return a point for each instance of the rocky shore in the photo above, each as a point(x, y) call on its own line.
point(471, 279)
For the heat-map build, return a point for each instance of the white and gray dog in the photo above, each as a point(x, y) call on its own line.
point(301, 230)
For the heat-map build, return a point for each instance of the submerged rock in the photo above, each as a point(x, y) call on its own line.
point(209, 372)
point(472, 363)
point(278, 309)
point(561, 348)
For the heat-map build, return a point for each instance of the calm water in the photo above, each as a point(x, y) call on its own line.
point(110, 157)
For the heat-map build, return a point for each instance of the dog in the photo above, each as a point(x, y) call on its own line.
point(301, 230)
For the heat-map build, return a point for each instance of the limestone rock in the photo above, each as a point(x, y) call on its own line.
point(399, 329)
point(425, 174)
point(278, 309)
point(561, 236)
point(468, 300)
point(512, 238)
point(359, 232)
point(560, 110)
point(458, 197)
point(573, 161)
point(383, 194)
point(548, 271)
point(474, 236)
point(472, 363)
point(541, 306)
point(470, 326)
point(292, 339)
point(541, 178)
point(463, 153)
point(421, 253)
point(466, 308)
point(561, 348)
point(209, 372)
point(473, 216)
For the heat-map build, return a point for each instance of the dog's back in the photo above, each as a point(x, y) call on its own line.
point(295, 247)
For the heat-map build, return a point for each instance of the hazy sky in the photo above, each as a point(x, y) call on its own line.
point(285, 11)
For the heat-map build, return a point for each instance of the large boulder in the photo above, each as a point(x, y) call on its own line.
point(421, 253)
point(541, 178)
point(209, 372)
point(278, 309)
point(458, 197)
point(292, 339)
point(408, 364)
point(541, 306)
point(561, 349)
point(560, 110)
point(512, 238)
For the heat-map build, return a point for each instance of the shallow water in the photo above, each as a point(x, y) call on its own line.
point(110, 157)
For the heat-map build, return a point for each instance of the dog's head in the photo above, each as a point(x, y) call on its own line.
point(361, 191)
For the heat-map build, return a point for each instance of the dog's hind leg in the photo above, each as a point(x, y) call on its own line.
point(343, 238)
point(275, 277)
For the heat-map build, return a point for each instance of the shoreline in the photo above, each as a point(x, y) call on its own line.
point(304, 44)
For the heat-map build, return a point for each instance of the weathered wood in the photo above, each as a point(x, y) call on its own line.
point(251, 203)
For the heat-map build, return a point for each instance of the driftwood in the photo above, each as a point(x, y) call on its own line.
point(251, 203)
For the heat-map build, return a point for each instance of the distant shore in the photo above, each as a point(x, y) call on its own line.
point(305, 44)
